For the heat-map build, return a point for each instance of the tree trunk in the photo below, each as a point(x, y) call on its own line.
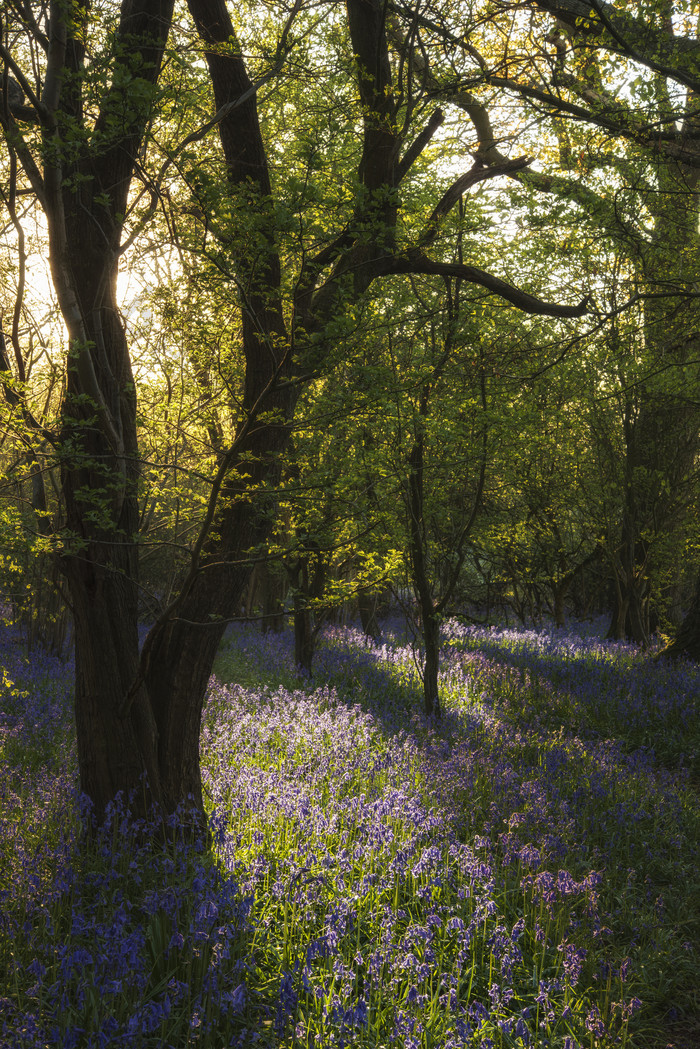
point(304, 635)
point(560, 590)
point(179, 651)
point(431, 639)
point(638, 613)
point(629, 565)
point(687, 639)
point(617, 630)
point(368, 605)
point(272, 590)
point(84, 189)
point(309, 580)
point(116, 746)
point(114, 752)
point(630, 614)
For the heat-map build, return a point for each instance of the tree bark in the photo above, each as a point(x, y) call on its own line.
point(180, 649)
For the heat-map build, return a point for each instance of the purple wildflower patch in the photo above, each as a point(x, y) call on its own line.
point(379, 879)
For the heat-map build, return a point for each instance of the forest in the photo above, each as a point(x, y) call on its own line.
point(349, 532)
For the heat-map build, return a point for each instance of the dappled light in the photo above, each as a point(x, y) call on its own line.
point(500, 877)
point(349, 524)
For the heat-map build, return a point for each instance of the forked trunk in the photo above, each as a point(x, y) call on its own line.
point(116, 741)
point(629, 618)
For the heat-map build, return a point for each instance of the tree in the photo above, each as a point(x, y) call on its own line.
point(686, 642)
point(86, 129)
point(594, 44)
point(625, 143)
point(470, 449)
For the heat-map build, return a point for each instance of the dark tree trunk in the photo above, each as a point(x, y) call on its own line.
point(308, 575)
point(560, 590)
point(113, 751)
point(180, 649)
point(304, 635)
point(638, 613)
point(368, 605)
point(115, 748)
point(616, 629)
point(421, 580)
point(85, 192)
point(271, 589)
point(629, 619)
point(687, 639)
point(431, 668)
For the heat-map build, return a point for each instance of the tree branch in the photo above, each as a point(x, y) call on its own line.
point(22, 87)
point(478, 173)
point(414, 261)
point(418, 145)
point(631, 36)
